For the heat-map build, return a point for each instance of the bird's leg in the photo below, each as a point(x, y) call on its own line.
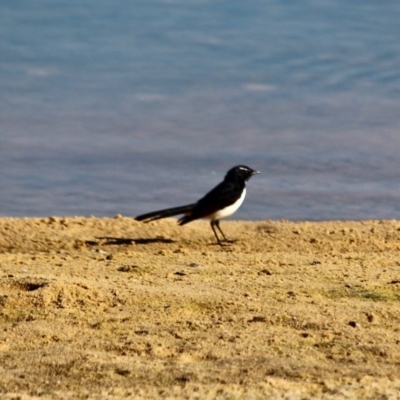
point(222, 233)
point(213, 223)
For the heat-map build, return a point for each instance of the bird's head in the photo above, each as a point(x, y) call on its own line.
point(241, 172)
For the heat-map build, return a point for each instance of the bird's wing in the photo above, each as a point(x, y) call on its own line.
point(222, 196)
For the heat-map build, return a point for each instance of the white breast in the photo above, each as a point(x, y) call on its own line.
point(226, 212)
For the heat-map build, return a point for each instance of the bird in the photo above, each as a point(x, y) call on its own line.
point(220, 202)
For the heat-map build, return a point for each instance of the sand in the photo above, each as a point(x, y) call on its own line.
point(114, 308)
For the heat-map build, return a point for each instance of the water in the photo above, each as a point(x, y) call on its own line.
point(125, 107)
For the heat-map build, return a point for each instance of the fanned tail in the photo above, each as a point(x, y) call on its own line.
point(168, 212)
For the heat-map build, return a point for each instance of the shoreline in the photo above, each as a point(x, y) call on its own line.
point(110, 307)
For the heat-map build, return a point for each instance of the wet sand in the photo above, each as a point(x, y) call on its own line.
point(114, 308)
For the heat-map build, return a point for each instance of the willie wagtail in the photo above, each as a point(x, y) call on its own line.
point(220, 202)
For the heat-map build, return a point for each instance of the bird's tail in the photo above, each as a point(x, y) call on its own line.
point(185, 219)
point(168, 212)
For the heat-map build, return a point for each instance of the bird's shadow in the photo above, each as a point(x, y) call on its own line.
point(124, 241)
point(120, 241)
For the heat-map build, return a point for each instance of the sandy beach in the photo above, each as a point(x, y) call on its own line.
point(112, 308)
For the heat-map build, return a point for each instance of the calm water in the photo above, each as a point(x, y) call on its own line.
point(122, 107)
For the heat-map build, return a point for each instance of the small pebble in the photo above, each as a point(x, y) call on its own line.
point(194, 265)
point(354, 324)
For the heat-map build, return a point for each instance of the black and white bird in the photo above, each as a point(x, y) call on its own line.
point(220, 202)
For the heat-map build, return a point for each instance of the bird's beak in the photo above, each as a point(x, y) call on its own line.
point(255, 172)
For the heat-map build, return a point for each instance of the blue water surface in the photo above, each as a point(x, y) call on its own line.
point(125, 107)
